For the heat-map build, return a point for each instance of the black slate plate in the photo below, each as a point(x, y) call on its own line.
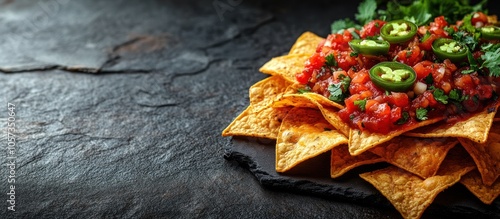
point(313, 178)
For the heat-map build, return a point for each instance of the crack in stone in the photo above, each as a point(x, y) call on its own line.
point(158, 105)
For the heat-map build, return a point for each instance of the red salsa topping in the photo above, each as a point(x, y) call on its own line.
point(453, 87)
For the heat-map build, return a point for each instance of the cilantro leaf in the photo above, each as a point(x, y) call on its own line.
point(305, 89)
point(361, 104)
point(340, 90)
point(469, 39)
point(405, 116)
point(421, 12)
point(330, 61)
point(421, 114)
point(366, 11)
point(336, 94)
point(456, 95)
point(440, 96)
point(491, 59)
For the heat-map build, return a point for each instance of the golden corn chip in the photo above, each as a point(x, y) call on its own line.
point(260, 119)
point(361, 141)
point(333, 118)
point(410, 194)
point(294, 90)
point(304, 134)
point(419, 156)
point(323, 100)
point(475, 128)
point(261, 124)
point(473, 182)
point(312, 101)
point(263, 93)
point(285, 66)
point(295, 100)
point(306, 44)
point(342, 161)
point(486, 156)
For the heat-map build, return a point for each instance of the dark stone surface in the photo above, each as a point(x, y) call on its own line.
point(140, 138)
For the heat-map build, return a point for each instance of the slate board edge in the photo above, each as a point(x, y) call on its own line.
point(307, 187)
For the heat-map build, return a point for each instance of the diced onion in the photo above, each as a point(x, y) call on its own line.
point(419, 88)
point(441, 70)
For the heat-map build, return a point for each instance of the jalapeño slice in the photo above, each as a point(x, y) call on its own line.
point(453, 50)
point(393, 76)
point(370, 47)
point(490, 33)
point(398, 31)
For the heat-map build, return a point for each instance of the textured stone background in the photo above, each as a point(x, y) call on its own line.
point(120, 106)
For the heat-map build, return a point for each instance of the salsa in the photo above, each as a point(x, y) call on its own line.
point(389, 75)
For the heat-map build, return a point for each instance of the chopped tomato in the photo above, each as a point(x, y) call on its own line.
point(437, 27)
point(422, 69)
point(316, 61)
point(426, 44)
point(479, 19)
point(372, 28)
point(395, 114)
point(410, 56)
point(369, 107)
point(345, 60)
point(399, 99)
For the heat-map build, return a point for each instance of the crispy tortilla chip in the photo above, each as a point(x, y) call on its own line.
point(261, 124)
point(323, 100)
point(294, 90)
point(475, 128)
point(285, 66)
point(473, 182)
point(361, 141)
point(486, 156)
point(304, 134)
point(295, 100)
point(342, 161)
point(260, 119)
point(312, 101)
point(419, 156)
point(306, 44)
point(263, 93)
point(410, 194)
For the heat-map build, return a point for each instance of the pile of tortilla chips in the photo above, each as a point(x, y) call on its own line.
point(425, 159)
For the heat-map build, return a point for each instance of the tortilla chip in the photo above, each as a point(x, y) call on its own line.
point(486, 155)
point(285, 66)
point(260, 119)
point(419, 156)
point(263, 93)
point(333, 118)
point(304, 134)
point(342, 161)
point(312, 101)
point(475, 128)
point(261, 124)
point(306, 44)
point(361, 141)
point(473, 182)
point(295, 100)
point(410, 194)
